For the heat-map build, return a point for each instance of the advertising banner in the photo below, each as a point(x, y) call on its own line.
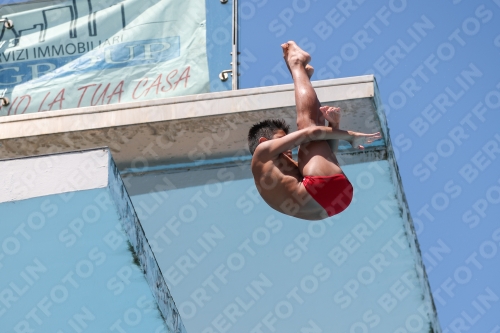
point(79, 53)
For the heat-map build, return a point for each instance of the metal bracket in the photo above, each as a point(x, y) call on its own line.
point(223, 76)
point(7, 23)
point(4, 101)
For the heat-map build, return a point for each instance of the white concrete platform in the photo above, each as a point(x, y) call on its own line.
point(73, 254)
point(181, 129)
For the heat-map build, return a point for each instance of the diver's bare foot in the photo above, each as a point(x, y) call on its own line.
point(309, 70)
point(359, 139)
point(332, 114)
point(294, 55)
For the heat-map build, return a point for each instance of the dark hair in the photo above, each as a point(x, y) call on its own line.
point(265, 129)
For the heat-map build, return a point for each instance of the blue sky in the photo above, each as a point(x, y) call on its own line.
point(438, 67)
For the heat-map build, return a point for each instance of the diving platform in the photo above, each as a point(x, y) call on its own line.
point(230, 262)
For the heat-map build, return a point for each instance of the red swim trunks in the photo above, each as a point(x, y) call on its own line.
point(333, 193)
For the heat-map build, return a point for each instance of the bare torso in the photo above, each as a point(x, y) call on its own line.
point(279, 182)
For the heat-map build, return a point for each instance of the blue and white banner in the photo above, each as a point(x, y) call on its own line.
point(82, 53)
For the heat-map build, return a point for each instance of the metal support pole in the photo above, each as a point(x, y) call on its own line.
point(234, 52)
point(224, 75)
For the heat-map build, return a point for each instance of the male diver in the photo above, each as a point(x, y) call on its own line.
point(314, 187)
